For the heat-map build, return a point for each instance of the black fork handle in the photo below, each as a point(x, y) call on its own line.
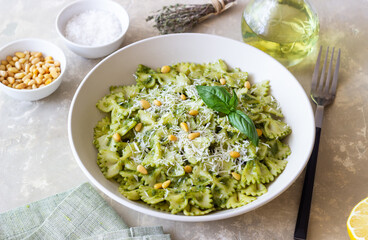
point(301, 227)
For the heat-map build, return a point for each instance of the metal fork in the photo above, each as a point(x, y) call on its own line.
point(322, 93)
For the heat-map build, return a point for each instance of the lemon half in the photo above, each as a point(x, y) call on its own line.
point(357, 223)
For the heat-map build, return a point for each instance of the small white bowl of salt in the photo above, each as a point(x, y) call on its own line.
point(93, 28)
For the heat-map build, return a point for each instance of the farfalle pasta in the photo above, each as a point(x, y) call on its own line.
point(192, 176)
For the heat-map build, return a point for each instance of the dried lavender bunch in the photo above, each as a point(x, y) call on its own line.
point(181, 18)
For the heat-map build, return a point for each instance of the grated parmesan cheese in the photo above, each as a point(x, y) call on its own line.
point(214, 161)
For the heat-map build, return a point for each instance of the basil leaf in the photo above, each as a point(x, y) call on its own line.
point(215, 97)
point(233, 101)
point(241, 121)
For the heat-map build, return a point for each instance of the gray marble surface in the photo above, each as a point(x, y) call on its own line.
point(36, 160)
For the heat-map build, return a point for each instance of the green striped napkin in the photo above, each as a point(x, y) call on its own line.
point(80, 213)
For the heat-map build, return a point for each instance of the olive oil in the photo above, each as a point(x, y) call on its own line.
point(285, 29)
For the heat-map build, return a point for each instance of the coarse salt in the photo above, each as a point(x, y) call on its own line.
point(93, 28)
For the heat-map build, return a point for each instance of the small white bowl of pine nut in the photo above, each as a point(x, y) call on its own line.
point(31, 69)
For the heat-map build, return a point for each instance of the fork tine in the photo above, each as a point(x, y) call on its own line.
point(336, 75)
point(320, 86)
point(328, 79)
point(316, 70)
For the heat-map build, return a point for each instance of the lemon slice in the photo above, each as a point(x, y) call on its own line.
point(358, 221)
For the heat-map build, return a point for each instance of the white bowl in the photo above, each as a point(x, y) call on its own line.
point(37, 45)
point(84, 5)
point(118, 69)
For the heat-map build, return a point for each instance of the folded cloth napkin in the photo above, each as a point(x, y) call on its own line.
point(80, 213)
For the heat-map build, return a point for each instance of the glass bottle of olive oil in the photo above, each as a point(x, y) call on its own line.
point(285, 29)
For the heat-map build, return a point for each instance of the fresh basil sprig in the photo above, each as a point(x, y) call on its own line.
point(242, 122)
point(219, 99)
point(216, 98)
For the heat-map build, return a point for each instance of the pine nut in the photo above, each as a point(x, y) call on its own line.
point(46, 69)
point(41, 70)
point(2, 67)
point(28, 76)
point(184, 126)
point(13, 70)
point(223, 81)
point(234, 154)
point(5, 82)
point(20, 86)
point(54, 74)
point(183, 97)
point(26, 67)
point(157, 103)
point(165, 69)
point(247, 84)
point(38, 80)
point(116, 137)
point(188, 169)
point(38, 54)
point(48, 58)
point(35, 60)
point(142, 169)
point(259, 132)
point(138, 127)
point(11, 80)
point(18, 65)
point(30, 83)
point(193, 112)
point(157, 186)
point(145, 104)
point(236, 175)
point(166, 184)
point(35, 71)
point(48, 81)
point(3, 73)
point(20, 54)
point(172, 138)
point(19, 75)
point(192, 136)
point(26, 81)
